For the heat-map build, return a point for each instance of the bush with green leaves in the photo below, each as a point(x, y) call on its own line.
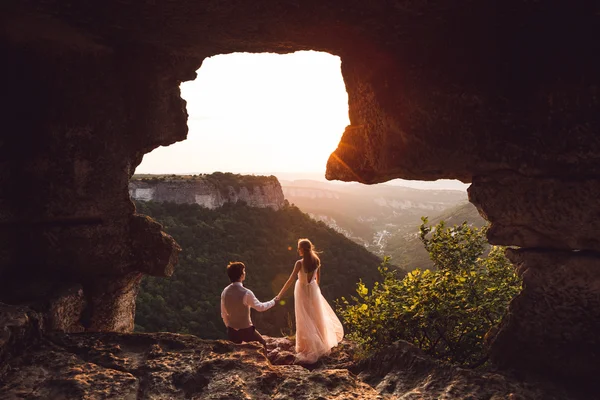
point(445, 311)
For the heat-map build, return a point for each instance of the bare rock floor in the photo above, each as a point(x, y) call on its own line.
point(173, 366)
point(166, 366)
point(402, 371)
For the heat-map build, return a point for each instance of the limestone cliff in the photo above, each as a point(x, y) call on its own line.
point(210, 191)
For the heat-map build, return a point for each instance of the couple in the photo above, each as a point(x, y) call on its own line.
point(317, 327)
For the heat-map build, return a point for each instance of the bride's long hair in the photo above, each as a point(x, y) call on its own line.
point(310, 259)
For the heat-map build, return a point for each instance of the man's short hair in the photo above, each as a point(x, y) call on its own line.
point(235, 270)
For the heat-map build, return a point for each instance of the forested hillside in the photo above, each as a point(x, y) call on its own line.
point(406, 249)
point(369, 214)
point(265, 240)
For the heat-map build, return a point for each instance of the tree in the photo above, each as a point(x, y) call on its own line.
point(445, 311)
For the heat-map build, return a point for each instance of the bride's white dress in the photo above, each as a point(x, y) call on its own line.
point(318, 329)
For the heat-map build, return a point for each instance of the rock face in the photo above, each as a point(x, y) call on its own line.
point(154, 366)
point(20, 328)
point(167, 366)
point(403, 372)
point(552, 325)
point(504, 94)
point(67, 221)
point(171, 366)
point(210, 191)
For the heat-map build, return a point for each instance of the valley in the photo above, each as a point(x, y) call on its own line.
point(223, 217)
point(383, 218)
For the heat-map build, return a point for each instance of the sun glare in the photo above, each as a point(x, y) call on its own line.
point(259, 113)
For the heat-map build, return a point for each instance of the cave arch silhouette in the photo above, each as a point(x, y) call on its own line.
point(501, 95)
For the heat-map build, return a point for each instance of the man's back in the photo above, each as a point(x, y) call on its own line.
point(236, 313)
point(236, 301)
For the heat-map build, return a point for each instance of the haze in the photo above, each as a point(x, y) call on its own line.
point(263, 114)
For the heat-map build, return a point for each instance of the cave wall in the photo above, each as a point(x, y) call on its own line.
point(503, 94)
point(552, 325)
point(72, 139)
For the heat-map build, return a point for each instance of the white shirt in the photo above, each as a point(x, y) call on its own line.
point(236, 313)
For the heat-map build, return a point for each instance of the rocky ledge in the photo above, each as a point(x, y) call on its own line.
point(174, 366)
point(166, 366)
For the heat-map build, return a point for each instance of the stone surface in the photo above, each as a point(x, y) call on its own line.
point(171, 366)
point(540, 212)
point(20, 327)
point(281, 351)
point(551, 328)
point(112, 303)
point(450, 90)
point(60, 304)
point(211, 191)
point(553, 324)
point(64, 310)
point(155, 251)
point(67, 216)
point(403, 372)
point(166, 366)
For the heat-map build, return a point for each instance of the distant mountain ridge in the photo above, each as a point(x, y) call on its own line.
point(382, 218)
point(209, 191)
point(368, 214)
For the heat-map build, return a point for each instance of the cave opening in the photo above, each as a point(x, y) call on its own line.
point(264, 113)
point(268, 114)
point(249, 114)
point(503, 95)
point(259, 113)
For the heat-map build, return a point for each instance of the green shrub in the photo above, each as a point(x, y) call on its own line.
point(446, 311)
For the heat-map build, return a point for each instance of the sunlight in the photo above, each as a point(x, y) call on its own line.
point(257, 113)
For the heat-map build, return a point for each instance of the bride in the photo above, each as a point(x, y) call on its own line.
point(318, 329)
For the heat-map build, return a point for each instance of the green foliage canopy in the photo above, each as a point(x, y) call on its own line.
point(446, 311)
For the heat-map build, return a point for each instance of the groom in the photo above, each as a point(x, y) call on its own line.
point(236, 301)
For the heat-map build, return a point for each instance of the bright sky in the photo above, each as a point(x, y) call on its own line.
point(259, 113)
point(262, 113)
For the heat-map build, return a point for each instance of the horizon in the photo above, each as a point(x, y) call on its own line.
point(441, 184)
point(253, 113)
